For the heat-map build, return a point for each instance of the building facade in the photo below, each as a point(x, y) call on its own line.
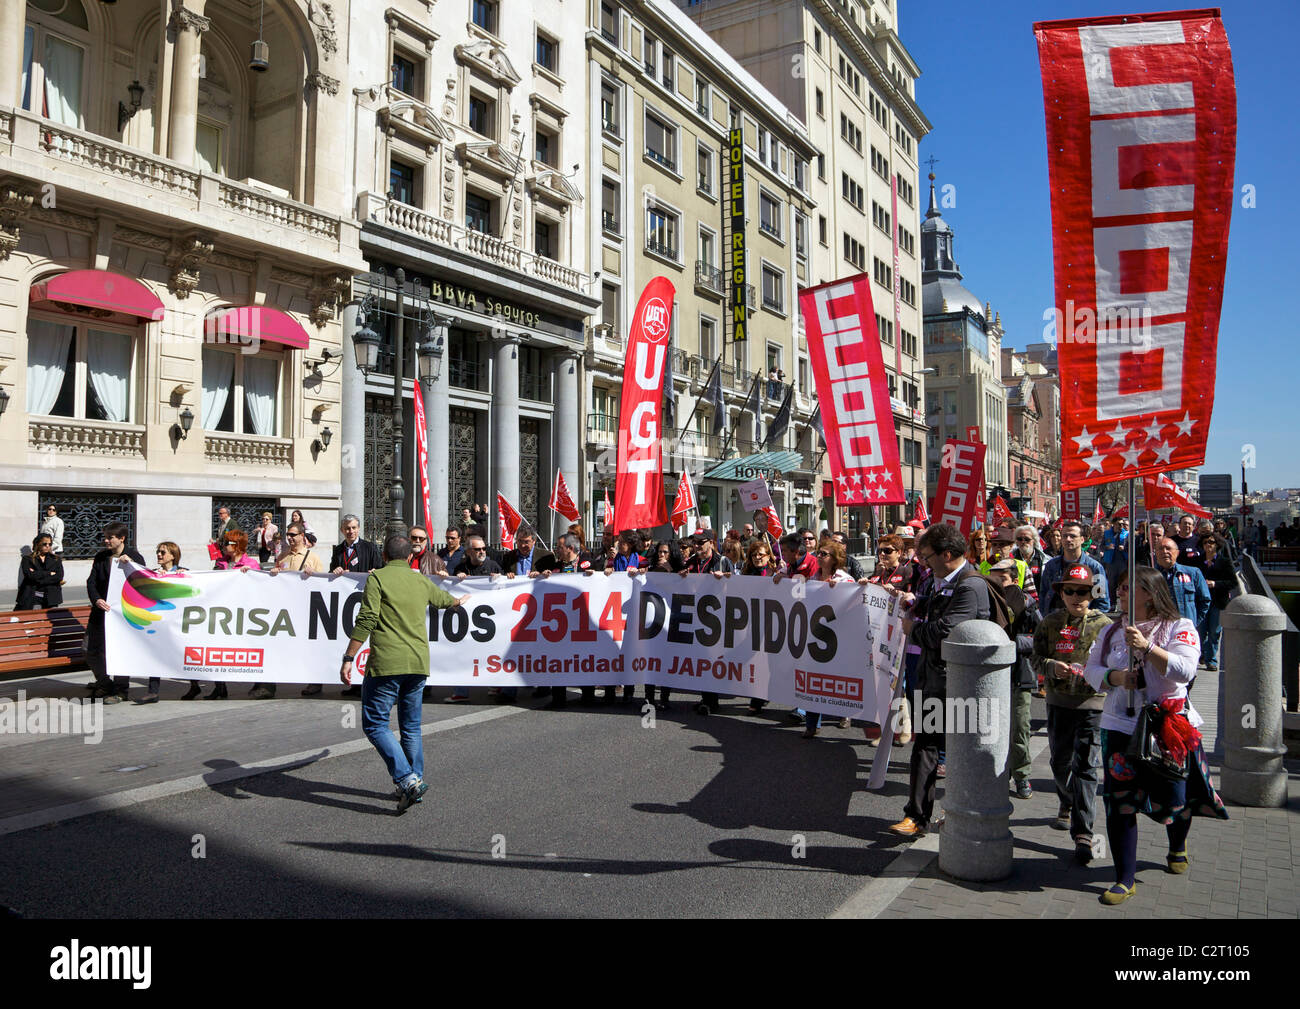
point(470, 165)
point(844, 72)
point(665, 100)
point(174, 247)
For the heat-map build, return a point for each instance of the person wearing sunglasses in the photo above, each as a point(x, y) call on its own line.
point(1061, 646)
point(1034, 558)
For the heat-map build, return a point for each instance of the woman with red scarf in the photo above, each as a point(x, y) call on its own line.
point(1166, 648)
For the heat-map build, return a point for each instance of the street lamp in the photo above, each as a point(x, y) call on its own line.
point(1021, 484)
point(428, 352)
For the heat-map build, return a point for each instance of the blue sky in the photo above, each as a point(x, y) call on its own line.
point(980, 88)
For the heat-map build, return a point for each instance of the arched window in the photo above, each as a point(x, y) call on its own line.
point(56, 41)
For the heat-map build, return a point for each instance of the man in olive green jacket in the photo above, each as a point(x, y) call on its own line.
point(1061, 644)
point(394, 616)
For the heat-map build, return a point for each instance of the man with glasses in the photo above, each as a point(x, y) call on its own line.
point(477, 564)
point(1072, 555)
point(1061, 646)
point(424, 560)
point(1027, 549)
point(452, 554)
point(957, 593)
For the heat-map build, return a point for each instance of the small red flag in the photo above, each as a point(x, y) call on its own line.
point(561, 501)
point(509, 521)
point(1001, 511)
point(684, 503)
point(609, 510)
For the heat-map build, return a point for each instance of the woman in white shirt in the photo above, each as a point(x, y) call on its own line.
point(53, 528)
point(1167, 648)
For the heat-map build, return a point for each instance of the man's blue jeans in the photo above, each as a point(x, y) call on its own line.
point(1210, 630)
point(405, 763)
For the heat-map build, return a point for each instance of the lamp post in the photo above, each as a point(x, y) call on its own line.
point(1021, 484)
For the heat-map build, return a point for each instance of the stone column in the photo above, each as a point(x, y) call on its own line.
point(354, 420)
point(505, 417)
point(1251, 721)
point(976, 842)
point(185, 27)
point(568, 434)
point(437, 416)
point(13, 16)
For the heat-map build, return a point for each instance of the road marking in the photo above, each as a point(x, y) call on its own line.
point(163, 789)
point(899, 874)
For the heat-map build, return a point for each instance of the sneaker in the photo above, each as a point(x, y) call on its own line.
point(457, 699)
point(1117, 894)
point(149, 698)
point(702, 709)
point(397, 794)
point(1083, 849)
point(114, 698)
point(312, 690)
point(1062, 821)
point(352, 691)
point(1023, 789)
point(1211, 667)
point(908, 828)
point(412, 794)
point(847, 723)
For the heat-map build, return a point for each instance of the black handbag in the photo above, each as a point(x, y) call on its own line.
point(1146, 750)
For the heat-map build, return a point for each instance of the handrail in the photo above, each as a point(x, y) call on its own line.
point(1257, 585)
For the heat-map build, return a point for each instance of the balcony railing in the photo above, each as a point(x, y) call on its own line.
point(689, 442)
point(661, 159)
point(467, 375)
point(773, 303)
point(609, 221)
point(86, 437)
point(602, 429)
point(769, 228)
point(661, 249)
point(708, 276)
point(247, 449)
point(415, 221)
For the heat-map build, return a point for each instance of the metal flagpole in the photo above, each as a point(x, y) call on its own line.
point(696, 407)
point(1132, 573)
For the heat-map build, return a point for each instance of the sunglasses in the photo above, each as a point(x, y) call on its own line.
point(1076, 592)
point(1023, 539)
point(885, 550)
point(823, 553)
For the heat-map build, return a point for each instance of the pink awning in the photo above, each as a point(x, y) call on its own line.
point(255, 322)
point(100, 289)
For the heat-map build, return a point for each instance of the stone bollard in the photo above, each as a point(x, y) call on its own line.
point(975, 842)
point(1251, 729)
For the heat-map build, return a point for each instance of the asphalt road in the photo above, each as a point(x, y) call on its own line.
point(586, 812)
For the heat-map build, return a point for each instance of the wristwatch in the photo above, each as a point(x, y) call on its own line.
point(348, 658)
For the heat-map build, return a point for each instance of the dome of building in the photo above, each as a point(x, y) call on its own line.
point(947, 294)
point(941, 286)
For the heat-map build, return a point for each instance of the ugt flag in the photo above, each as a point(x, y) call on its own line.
point(639, 482)
point(1141, 116)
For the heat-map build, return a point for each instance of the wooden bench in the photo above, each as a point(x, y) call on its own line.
point(1279, 556)
point(43, 639)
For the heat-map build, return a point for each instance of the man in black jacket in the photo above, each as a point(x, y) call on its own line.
point(477, 563)
point(956, 593)
point(115, 551)
point(354, 555)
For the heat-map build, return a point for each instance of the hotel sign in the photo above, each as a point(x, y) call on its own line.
point(735, 151)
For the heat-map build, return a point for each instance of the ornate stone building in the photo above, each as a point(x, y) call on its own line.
point(174, 246)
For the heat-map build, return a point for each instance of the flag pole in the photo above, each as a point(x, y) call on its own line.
point(696, 406)
point(1132, 573)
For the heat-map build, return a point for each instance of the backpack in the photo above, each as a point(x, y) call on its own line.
point(999, 609)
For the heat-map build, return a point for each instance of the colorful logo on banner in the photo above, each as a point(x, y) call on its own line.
point(853, 392)
point(422, 454)
point(1070, 507)
point(958, 501)
point(1141, 116)
point(639, 481)
point(145, 597)
point(561, 500)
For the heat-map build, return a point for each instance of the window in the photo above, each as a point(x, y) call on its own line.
point(661, 142)
point(609, 107)
point(651, 43)
point(907, 291)
point(880, 164)
point(817, 40)
point(480, 115)
point(821, 228)
point(850, 76)
point(544, 233)
point(478, 213)
point(547, 148)
point(855, 252)
point(884, 329)
point(484, 14)
point(819, 100)
point(905, 191)
point(662, 229)
point(707, 344)
point(608, 22)
point(821, 167)
point(906, 241)
point(609, 306)
point(702, 97)
point(804, 386)
point(801, 175)
point(74, 370)
point(851, 133)
point(773, 289)
point(852, 191)
point(884, 274)
point(800, 235)
point(405, 76)
point(879, 111)
point(708, 248)
point(903, 138)
point(704, 169)
point(604, 411)
point(908, 341)
point(609, 206)
point(54, 61)
point(669, 77)
point(547, 53)
point(208, 147)
point(241, 392)
point(769, 215)
point(880, 217)
point(401, 183)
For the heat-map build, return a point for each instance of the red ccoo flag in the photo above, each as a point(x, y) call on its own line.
point(919, 513)
point(684, 503)
point(639, 481)
point(609, 511)
point(1001, 511)
point(1160, 492)
point(1097, 513)
point(561, 501)
point(1141, 115)
point(774, 527)
point(1120, 513)
point(509, 521)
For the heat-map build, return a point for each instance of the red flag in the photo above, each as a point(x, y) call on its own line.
point(958, 501)
point(1070, 507)
point(609, 511)
point(1160, 492)
point(1097, 513)
point(422, 453)
point(919, 513)
point(1120, 513)
point(684, 503)
point(1001, 511)
point(853, 392)
point(1141, 116)
point(508, 520)
point(639, 482)
point(774, 527)
point(561, 502)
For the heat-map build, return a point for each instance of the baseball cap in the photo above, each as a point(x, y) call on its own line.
point(1077, 575)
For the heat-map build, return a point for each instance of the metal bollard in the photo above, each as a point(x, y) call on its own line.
point(975, 842)
point(1251, 729)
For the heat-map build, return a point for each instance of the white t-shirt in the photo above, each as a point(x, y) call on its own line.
point(1177, 637)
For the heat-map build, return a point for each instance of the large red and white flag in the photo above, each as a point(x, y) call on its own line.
point(1160, 492)
point(1097, 512)
point(422, 453)
point(1120, 513)
point(561, 501)
point(508, 521)
point(684, 503)
point(1000, 510)
point(1141, 116)
point(958, 501)
point(639, 482)
point(853, 391)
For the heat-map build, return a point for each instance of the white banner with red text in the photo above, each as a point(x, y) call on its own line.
point(831, 648)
